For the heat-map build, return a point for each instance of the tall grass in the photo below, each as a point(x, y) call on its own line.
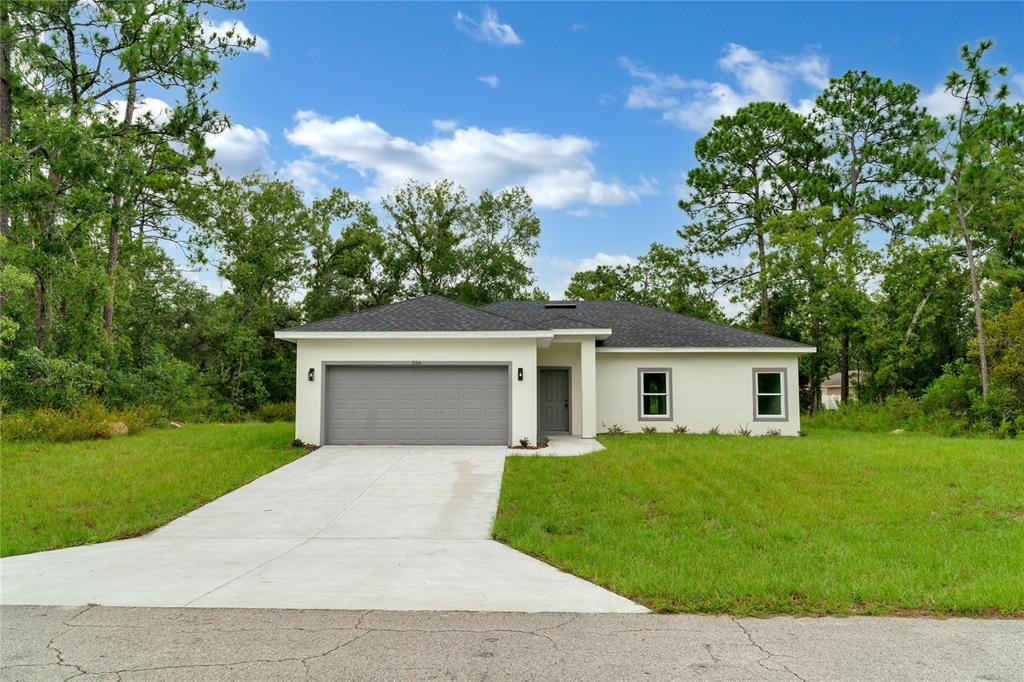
point(896, 413)
point(92, 420)
point(87, 421)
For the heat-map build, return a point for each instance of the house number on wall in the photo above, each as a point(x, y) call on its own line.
point(417, 363)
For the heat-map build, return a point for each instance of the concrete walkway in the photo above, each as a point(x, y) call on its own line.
point(562, 446)
point(403, 528)
point(132, 645)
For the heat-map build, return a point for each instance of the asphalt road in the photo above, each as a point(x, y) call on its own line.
point(117, 643)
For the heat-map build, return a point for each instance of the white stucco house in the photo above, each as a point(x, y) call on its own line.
point(433, 371)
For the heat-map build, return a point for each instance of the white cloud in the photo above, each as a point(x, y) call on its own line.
point(488, 30)
point(445, 125)
point(239, 32)
point(577, 26)
point(656, 90)
point(695, 104)
point(314, 179)
point(239, 150)
point(586, 213)
point(491, 81)
point(557, 171)
point(938, 102)
point(556, 278)
point(591, 262)
point(151, 108)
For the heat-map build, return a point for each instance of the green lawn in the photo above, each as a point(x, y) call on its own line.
point(62, 494)
point(836, 522)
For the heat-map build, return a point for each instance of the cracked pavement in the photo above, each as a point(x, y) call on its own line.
point(118, 643)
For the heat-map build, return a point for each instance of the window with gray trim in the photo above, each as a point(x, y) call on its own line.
point(769, 394)
point(655, 390)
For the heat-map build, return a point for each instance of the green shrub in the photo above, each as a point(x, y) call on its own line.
point(275, 412)
point(162, 380)
point(955, 390)
point(41, 381)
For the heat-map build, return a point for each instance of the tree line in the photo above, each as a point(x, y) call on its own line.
point(110, 204)
point(889, 239)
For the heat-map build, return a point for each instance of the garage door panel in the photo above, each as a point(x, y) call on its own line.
point(416, 405)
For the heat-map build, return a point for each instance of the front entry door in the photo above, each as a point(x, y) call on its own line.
point(553, 400)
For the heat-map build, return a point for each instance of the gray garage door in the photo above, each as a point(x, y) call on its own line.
point(421, 405)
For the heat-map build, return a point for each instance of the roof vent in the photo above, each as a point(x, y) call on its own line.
point(560, 305)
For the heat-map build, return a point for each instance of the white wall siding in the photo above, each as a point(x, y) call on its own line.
point(312, 353)
point(708, 390)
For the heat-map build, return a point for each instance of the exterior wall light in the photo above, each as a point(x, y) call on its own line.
point(310, 374)
point(520, 373)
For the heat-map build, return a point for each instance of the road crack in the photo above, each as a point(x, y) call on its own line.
point(768, 655)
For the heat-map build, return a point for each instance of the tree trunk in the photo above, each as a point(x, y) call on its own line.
point(5, 98)
point(916, 318)
point(816, 367)
point(40, 312)
point(116, 219)
point(766, 324)
point(844, 369)
point(975, 293)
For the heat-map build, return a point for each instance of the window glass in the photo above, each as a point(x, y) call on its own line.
point(769, 382)
point(654, 382)
point(769, 396)
point(769, 405)
point(654, 394)
point(655, 405)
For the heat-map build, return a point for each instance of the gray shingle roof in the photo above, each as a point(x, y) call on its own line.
point(632, 325)
point(566, 322)
point(423, 314)
point(639, 326)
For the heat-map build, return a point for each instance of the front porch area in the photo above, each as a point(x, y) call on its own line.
point(567, 388)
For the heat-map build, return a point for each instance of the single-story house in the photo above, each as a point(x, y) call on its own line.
point(831, 389)
point(432, 371)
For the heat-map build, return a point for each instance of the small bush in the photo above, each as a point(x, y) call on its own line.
point(275, 412)
point(743, 431)
point(524, 442)
point(714, 430)
point(679, 428)
point(297, 443)
point(649, 429)
point(615, 430)
point(775, 432)
point(543, 440)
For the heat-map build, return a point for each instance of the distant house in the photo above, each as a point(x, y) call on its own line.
point(831, 388)
point(433, 371)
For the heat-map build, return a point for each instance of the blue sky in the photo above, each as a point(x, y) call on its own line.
point(594, 107)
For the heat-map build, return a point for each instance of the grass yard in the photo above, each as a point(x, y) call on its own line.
point(61, 494)
point(836, 522)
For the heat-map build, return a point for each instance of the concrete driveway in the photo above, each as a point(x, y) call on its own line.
point(394, 528)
